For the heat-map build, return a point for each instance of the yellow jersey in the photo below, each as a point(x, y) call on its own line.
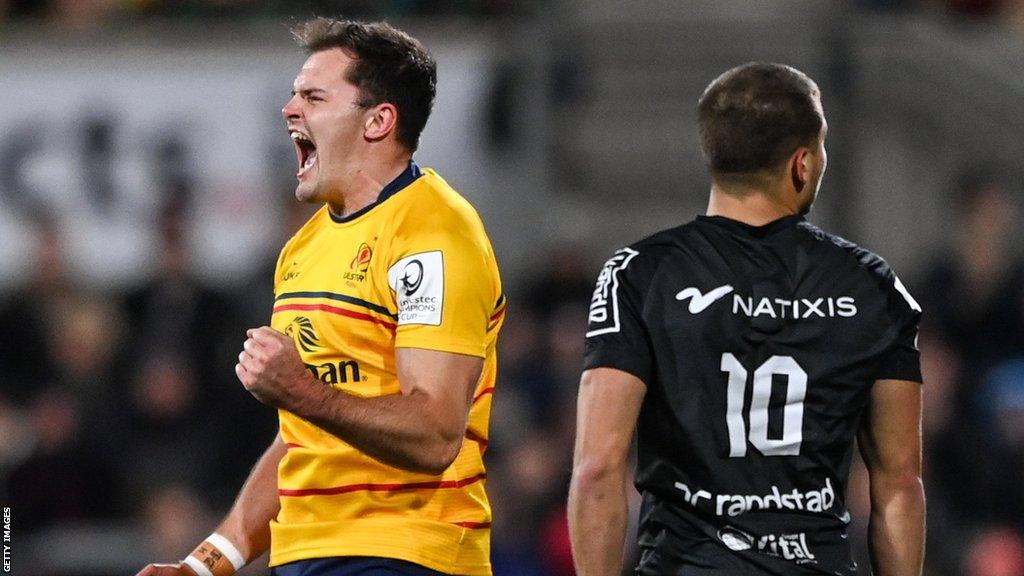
point(416, 270)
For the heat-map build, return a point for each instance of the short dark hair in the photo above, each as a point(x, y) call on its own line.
point(389, 66)
point(754, 116)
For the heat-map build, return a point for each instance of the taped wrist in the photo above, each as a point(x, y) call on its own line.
point(216, 556)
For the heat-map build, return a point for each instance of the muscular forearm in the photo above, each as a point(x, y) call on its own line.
point(896, 530)
point(396, 429)
point(420, 429)
point(597, 520)
point(247, 525)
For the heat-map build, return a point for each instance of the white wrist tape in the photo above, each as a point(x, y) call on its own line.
point(228, 549)
point(197, 566)
point(216, 556)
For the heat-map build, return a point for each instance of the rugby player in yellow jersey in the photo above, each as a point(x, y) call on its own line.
point(380, 356)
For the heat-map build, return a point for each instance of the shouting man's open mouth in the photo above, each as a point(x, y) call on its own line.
point(305, 151)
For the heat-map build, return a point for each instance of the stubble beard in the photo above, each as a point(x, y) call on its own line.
point(806, 209)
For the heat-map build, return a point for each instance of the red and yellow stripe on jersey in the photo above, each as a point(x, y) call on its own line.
point(415, 270)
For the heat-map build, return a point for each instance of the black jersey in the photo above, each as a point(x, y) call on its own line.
point(759, 347)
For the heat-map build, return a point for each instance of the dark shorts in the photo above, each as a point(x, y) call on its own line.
point(354, 566)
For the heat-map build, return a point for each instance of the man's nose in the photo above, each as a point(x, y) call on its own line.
point(291, 109)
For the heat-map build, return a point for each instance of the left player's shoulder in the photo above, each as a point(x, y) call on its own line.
point(433, 196)
point(431, 211)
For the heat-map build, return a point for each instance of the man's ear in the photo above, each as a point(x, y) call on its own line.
point(382, 121)
point(799, 168)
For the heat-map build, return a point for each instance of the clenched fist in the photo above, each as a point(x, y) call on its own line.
point(270, 368)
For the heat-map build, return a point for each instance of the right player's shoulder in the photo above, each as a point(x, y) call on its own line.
point(873, 265)
point(875, 269)
point(847, 249)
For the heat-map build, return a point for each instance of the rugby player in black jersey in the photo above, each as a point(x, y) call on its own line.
point(748, 348)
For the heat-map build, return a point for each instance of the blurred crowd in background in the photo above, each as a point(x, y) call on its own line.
point(124, 434)
point(90, 13)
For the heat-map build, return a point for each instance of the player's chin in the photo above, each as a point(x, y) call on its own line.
point(306, 192)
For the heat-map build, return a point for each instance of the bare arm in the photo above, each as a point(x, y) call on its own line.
point(247, 525)
point(421, 429)
point(890, 442)
point(607, 410)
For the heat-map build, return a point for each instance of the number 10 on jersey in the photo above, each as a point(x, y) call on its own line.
point(792, 414)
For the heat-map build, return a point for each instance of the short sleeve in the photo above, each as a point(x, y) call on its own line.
point(903, 360)
point(279, 267)
point(444, 284)
point(616, 333)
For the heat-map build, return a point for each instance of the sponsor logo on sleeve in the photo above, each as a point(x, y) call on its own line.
point(418, 282)
point(604, 305)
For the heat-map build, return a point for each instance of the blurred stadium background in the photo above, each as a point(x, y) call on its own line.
point(146, 185)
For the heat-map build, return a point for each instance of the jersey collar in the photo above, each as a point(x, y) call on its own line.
point(407, 177)
point(756, 231)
